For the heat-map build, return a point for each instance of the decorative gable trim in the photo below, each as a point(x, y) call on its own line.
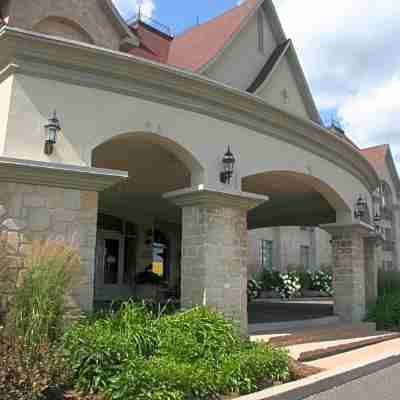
point(128, 37)
point(263, 79)
point(269, 67)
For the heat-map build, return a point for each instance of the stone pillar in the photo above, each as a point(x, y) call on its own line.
point(214, 250)
point(373, 259)
point(34, 212)
point(349, 269)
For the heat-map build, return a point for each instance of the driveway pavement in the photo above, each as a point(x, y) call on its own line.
point(381, 385)
point(264, 312)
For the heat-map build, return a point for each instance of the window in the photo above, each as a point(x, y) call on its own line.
point(260, 30)
point(305, 256)
point(387, 265)
point(160, 254)
point(266, 254)
point(111, 261)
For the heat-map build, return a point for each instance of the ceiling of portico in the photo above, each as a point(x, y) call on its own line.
point(153, 171)
point(293, 201)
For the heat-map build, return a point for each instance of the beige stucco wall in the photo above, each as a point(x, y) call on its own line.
point(91, 116)
point(241, 62)
point(272, 91)
point(286, 247)
point(89, 14)
point(323, 248)
point(5, 98)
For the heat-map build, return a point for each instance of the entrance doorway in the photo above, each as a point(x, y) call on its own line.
point(115, 259)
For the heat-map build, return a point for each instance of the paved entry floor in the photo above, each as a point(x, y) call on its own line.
point(267, 311)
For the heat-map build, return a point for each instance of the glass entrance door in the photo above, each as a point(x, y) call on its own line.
point(109, 282)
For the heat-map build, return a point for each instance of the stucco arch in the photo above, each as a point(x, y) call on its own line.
point(64, 27)
point(295, 199)
point(187, 158)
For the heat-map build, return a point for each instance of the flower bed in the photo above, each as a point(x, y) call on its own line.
point(196, 354)
point(295, 284)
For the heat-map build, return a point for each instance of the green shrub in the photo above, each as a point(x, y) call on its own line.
point(270, 280)
point(51, 269)
point(386, 312)
point(388, 282)
point(322, 282)
point(195, 354)
point(253, 289)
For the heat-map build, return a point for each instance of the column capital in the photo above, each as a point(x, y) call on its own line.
point(361, 228)
point(63, 176)
point(202, 196)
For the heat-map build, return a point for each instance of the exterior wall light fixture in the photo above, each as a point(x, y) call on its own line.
point(228, 163)
point(52, 129)
point(360, 208)
point(377, 222)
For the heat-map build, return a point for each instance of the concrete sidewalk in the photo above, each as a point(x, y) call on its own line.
point(367, 354)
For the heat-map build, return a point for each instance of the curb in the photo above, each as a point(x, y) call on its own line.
point(304, 388)
point(330, 351)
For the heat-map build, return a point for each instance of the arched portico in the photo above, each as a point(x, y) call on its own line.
point(303, 200)
point(141, 215)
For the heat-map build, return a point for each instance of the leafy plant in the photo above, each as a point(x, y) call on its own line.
point(51, 269)
point(270, 280)
point(388, 282)
point(386, 312)
point(322, 281)
point(135, 353)
point(253, 289)
point(289, 285)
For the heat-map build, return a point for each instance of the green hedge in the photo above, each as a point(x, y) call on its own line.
point(196, 354)
point(386, 311)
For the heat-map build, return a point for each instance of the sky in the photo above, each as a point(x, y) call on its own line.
point(348, 50)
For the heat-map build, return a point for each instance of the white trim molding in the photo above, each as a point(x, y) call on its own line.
point(65, 176)
point(35, 54)
point(206, 196)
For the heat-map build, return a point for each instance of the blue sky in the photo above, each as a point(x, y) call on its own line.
point(180, 14)
point(347, 49)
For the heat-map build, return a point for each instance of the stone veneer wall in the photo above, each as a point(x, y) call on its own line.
point(214, 260)
point(29, 212)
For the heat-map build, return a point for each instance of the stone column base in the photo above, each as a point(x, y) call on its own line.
point(349, 273)
point(214, 250)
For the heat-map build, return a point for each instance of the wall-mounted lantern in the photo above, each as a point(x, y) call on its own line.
point(228, 163)
point(52, 129)
point(361, 207)
point(377, 222)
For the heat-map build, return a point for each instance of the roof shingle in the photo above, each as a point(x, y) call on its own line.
point(200, 44)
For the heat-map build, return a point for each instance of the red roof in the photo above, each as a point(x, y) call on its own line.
point(376, 155)
point(198, 45)
point(195, 47)
point(154, 45)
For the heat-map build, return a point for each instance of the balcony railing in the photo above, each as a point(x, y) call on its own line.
point(152, 23)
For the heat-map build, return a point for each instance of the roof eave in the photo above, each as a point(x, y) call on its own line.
point(137, 76)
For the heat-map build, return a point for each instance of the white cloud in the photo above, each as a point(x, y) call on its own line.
point(373, 116)
point(128, 8)
point(350, 55)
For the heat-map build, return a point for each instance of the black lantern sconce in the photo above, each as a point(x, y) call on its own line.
point(228, 162)
point(361, 207)
point(52, 129)
point(377, 222)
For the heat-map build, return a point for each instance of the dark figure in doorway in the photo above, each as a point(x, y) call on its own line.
point(148, 277)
